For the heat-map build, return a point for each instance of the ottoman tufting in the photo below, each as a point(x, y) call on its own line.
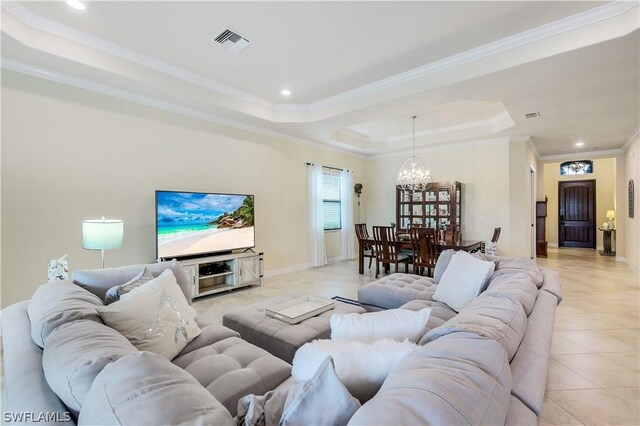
point(395, 290)
point(277, 337)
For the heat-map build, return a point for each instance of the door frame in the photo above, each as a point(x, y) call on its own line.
point(532, 200)
point(595, 225)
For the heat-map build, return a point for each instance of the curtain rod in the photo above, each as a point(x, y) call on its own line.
point(329, 167)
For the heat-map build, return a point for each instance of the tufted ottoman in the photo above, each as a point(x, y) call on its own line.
point(229, 367)
point(278, 337)
point(395, 290)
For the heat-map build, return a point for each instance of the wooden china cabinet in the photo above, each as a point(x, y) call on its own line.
point(441, 204)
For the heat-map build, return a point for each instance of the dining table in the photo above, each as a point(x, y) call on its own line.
point(405, 244)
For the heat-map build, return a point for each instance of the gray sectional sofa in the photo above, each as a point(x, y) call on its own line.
point(53, 383)
point(517, 311)
point(486, 364)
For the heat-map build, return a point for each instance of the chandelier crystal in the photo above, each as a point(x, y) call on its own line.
point(414, 175)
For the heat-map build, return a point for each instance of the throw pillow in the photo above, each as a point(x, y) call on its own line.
point(155, 317)
point(115, 293)
point(463, 280)
point(361, 367)
point(397, 324)
point(322, 400)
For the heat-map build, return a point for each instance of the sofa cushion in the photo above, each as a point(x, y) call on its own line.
point(552, 283)
point(146, 389)
point(397, 324)
point(24, 386)
point(517, 284)
point(362, 367)
point(57, 303)
point(496, 318)
point(75, 353)
point(522, 264)
point(458, 379)
point(531, 364)
point(395, 290)
point(154, 317)
point(99, 281)
point(463, 280)
point(520, 415)
point(440, 312)
point(232, 368)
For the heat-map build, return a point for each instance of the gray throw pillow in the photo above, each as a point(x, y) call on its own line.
point(441, 264)
point(115, 293)
point(321, 400)
point(146, 389)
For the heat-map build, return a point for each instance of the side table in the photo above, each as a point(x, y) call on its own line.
point(608, 242)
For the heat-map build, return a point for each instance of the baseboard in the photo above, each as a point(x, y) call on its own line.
point(287, 270)
point(631, 266)
point(554, 245)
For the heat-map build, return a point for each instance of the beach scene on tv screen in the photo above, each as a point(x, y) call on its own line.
point(194, 223)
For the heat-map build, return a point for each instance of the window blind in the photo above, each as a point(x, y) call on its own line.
point(331, 201)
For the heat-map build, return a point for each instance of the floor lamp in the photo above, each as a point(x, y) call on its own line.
point(102, 234)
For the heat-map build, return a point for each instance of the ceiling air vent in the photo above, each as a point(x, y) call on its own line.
point(532, 115)
point(232, 40)
point(582, 148)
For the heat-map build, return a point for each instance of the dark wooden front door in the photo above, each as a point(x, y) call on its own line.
point(577, 207)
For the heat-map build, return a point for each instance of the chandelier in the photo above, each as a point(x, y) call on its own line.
point(414, 175)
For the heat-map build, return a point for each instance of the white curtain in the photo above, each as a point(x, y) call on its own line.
point(318, 256)
point(346, 213)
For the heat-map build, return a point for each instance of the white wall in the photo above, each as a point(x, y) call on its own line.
point(604, 172)
point(631, 226)
point(70, 155)
point(481, 167)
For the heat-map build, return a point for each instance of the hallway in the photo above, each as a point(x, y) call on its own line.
point(594, 375)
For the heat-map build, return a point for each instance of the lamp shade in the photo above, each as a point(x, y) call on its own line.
point(102, 234)
point(611, 214)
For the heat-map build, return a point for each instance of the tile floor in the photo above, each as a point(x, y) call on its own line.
point(594, 374)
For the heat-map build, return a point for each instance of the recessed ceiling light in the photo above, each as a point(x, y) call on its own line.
point(579, 143)
point(285, 92)
point(76, 4)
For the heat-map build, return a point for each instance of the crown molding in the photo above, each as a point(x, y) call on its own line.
point(591, 16)
point(55, 28)
point(439, 147)
point(608, 10)
point(533, 148)
point(631, 138)
point(592, 154)
point(126, 95)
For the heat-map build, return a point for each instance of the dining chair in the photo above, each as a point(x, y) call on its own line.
point(368, 250)
point(425, 254)
point(496, 235)
point(385, 248)
point(451, 233)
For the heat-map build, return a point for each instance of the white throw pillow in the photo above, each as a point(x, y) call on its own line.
point(396, 324)
point(361, 367)
point(155, 317)
point(463, 280)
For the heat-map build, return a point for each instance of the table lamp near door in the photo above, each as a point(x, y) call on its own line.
point(102, 234)
point(611, 215)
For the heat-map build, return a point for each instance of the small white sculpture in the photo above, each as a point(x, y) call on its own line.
point(59, 269)
point(490, 247)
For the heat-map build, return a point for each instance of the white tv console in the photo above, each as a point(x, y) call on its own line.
point(215, 274)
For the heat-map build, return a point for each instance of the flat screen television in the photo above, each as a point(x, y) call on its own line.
point(190, 224)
